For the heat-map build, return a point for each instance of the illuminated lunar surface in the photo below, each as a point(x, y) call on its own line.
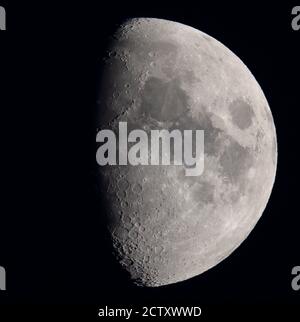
point(167, 227)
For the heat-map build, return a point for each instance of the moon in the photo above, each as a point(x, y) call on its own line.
point(167, 227)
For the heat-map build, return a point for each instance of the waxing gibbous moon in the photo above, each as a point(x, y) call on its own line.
point(167, 227)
